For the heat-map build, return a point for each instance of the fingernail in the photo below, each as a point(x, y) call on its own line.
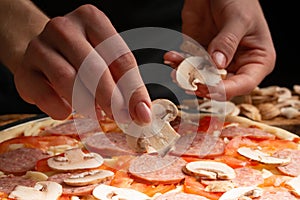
point(220, 59)
point(143, 113)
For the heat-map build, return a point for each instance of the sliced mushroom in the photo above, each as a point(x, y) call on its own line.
point(159, 136)
point(106, 192)
point(210, 170)
point(296, 89)
point(283, 94)
point(37, 176)
point(294, 185)
point(197, 70)
point(250, 111)
point(45, 190)
point(219, 107)
point(290, 112)
point(218, 186)
point(257, 155)
point(268, 111)
point(74, 159)
point(242, 193)
point(89, 177)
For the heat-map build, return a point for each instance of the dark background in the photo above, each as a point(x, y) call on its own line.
point(281, 16)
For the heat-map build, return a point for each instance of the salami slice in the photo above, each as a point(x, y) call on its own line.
point(21, 160)
point(71, 190)
point(75, 127)
point(108, 144)
point(276, 193)
point(253, 133)
point(292, 168)
point(157, 169)
point(199, 145)
point(247, 177)
point(8, 183)
point(180, 196)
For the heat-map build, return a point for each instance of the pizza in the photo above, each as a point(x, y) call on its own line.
point(214, 157)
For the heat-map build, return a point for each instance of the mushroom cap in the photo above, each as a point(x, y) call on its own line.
point(88, 177)
point(210, 170)
point(74, 159)
point(197, 70)
point(106, 192)
point(262, 157)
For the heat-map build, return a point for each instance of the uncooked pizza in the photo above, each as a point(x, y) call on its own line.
point(180, 156)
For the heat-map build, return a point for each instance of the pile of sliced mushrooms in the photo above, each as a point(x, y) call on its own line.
point(270, 102)
point(261, 104)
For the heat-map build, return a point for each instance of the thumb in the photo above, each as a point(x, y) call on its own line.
point(224, 45)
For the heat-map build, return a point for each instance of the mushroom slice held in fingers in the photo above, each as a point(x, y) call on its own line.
point(197, 70)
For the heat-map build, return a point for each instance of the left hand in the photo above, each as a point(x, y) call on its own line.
point(237, 37)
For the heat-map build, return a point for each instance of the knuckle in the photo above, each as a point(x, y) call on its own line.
point(230, 41)
point(63, 76)
point(57, 23)
point(89, 11)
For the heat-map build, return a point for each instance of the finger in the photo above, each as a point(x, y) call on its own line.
point(241, 83)
point(39, 91)
point(173, 58)
point(224, 45)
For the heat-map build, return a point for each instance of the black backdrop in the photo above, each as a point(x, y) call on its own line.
point(282, 18)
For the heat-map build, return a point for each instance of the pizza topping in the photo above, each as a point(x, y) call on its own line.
point(105, 192)
point(157, 169)
point(9, 182)
point(239, 193)
point(179, 196)
point(218, 186)
point(46, 190)
point(159, 136)
point(198, 145)
point(257, 155)
point(293, 168)
point(209, 170)
point(36, 176)
point(20, 161)
point(253, 133)
point(246, 176)
point(89, 177)
point(74, 159)
point(108, 144)
point(294, 184)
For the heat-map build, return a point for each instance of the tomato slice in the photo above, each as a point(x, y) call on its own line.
point(39, 142)
point(233, 162)
point(192, 186)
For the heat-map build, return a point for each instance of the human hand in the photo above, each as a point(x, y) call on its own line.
point(54, 61)
point(236, 35)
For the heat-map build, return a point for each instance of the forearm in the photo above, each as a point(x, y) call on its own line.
point(20, 21)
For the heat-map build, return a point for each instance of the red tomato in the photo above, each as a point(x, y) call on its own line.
point(39, 142)
point(192, 186)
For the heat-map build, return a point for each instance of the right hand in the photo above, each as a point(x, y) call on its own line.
point(53, 58)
